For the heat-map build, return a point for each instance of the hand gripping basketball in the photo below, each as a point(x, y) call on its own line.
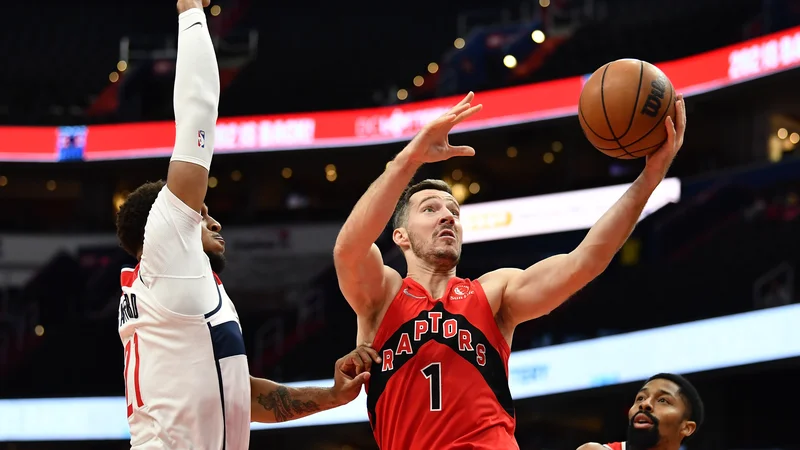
point(659, 161)
point(432, 143)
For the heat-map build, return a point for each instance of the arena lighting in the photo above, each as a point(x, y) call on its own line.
point(693, 75)
point(553, 213)
point(736, 340)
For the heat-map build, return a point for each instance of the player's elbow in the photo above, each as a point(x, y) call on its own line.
point(343, 258)
point(587, 264)
point(348, 255)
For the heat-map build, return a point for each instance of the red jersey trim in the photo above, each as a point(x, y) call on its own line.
point(128, 276)
point(495, 329)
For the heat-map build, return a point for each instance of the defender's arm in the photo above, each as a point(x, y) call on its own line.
point(196, 98)
point(273, 402)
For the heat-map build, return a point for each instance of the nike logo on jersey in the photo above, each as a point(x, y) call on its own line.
point(408, 293)
point(190, 26)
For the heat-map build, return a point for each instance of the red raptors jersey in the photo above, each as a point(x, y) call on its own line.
point(615, 446)
point(443, 380)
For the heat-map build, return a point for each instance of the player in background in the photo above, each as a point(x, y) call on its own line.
point(667, 411)
point(187, 382)
point(445, 341)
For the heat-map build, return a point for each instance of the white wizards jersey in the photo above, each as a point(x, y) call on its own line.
point(187, 381)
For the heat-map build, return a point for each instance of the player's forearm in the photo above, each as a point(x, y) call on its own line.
point(374, 210)
point(197, 88)
point(608, 235)
point(273, 402)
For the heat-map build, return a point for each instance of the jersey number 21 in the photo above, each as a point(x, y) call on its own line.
point(132, 347)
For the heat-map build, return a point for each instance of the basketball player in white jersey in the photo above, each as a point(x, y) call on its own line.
point(187, 381)
point(666, 412)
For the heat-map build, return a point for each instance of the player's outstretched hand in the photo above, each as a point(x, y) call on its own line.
point(431, 144)
point(352, 371)
point(659, 161)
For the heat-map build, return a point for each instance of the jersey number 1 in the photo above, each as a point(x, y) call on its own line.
point(433, 373)
point(134, 341)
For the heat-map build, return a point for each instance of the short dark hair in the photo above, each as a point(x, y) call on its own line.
point(690, 396)
point(132, 216)
point(401, 210)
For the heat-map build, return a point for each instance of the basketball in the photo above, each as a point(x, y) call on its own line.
point(623, 106)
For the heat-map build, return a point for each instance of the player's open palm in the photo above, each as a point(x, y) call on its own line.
point(352, 371)
point(659, 161)
point(432, 143)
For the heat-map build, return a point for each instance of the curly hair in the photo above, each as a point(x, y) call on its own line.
point(401, 210)
point(132, 216)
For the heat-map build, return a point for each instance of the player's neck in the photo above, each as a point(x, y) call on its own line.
point(433, 280)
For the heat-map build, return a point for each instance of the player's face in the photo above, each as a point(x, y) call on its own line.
point(658, 415)
point(434, 228)
point(213, 244)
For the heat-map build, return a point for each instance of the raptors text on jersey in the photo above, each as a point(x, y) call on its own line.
point(443, 379)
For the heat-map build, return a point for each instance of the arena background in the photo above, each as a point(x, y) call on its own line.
point(317, 97)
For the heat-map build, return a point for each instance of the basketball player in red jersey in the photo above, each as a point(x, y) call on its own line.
point(667, 411)
point(445, 341)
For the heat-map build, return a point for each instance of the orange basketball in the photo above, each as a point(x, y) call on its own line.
point(623, 106)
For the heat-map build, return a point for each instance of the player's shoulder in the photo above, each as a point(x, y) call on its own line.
point(497, 276)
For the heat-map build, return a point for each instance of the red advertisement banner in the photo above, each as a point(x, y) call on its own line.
point(350, 128)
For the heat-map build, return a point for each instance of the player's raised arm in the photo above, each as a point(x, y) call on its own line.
point(537, 290)
point(359, 264)
point(196, 99)
point(273, 402)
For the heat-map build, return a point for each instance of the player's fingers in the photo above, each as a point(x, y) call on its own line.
point(443, 121)
point(366, 358)
point(461, 150)
point(467, 113)
point(459, 109)
point(372, 353)
point(670, 133)
point(363, 378)
point(357, 363)
point(467, 99)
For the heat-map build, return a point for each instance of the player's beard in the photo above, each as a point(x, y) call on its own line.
point(639, 439)
point(217, 261)
point(442, 259)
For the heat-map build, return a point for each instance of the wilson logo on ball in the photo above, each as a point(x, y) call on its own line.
point(658, 88)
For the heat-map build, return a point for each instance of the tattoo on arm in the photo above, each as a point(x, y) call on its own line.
point(284, 406)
